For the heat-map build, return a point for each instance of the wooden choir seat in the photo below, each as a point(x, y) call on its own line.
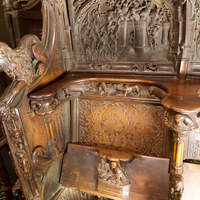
point(106, 105)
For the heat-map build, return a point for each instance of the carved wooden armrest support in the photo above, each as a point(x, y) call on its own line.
point(181, 116)
point(47, 99)
point(23, 65)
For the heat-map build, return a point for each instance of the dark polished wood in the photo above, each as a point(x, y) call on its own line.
point(115, 79)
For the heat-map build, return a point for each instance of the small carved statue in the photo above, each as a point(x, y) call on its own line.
point(22, 158)
point(103, 169)
point(112, 173)
point(17, 64)
point(118, 177)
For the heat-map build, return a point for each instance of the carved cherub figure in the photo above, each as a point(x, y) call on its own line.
point(18, 64)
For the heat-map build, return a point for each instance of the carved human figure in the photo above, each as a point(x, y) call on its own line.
point(118, 177)
point(22, 158)
point(17, 64)
point(102, 46)
point(103, 169)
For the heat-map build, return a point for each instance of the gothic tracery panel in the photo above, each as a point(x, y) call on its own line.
point(125, 126)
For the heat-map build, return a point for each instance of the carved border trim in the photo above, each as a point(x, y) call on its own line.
point(13, 127)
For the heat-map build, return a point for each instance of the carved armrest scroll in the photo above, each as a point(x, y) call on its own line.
point(19, 65)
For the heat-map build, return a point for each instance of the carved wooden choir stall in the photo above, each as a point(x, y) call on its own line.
point(107, 104)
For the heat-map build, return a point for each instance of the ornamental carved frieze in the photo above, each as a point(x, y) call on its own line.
point(46, 105)
point(19, 150)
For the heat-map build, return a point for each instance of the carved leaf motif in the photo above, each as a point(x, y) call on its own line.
point(122, 126)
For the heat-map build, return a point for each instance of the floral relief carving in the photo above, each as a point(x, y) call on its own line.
point(122, 126)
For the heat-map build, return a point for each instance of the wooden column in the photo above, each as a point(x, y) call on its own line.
point(181, 125)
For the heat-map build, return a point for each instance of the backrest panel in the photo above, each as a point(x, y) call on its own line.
point(123, 125)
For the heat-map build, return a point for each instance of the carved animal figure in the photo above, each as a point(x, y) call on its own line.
point(127, 89)
point(183, 120)
point(82, 88)
point(158, 92)
point(17, 64)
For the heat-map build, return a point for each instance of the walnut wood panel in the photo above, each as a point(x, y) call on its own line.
point(126, 126)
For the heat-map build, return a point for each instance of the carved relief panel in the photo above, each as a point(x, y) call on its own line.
point(124, 126)
point(193, 35)
point(130, 32)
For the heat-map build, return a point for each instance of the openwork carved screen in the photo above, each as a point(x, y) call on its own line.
point(125, 126)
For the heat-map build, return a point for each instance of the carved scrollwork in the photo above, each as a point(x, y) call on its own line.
point(41, 156)
point(24, 4)
point(144, 67)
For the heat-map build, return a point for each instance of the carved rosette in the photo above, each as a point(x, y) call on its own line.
point(14, 132)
